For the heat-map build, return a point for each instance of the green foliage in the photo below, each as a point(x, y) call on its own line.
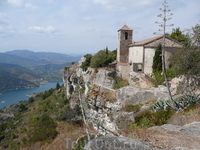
point(131, 108)
point(10, 78)
point(187, 100)
point(69, 114)
point(147, 118)
point(160, 105)
point(30, 100)
point(119, 83)
point(57, 86)
point(46, 94)
point(102, 58)
point(157, 78)
point(44, 129)
point(178, 35)
point(87, 61)
point(22, 108)
point(187, 60)
point(157, 59)
point(46, 105)
point(180, 103)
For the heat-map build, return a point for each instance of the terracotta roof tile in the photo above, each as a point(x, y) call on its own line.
point(125, 27)
point(144, 42)
point(153, 42)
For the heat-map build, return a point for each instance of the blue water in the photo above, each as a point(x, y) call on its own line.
point(14, 96)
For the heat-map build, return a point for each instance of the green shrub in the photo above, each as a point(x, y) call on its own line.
point(30, 100)
point(102, 58)
point(87, 61)
point(131, 108)
point(148, 118)
point(44, 129)
point(157, 78)
point(119, 83)
point(22, 108)
point(157, 60)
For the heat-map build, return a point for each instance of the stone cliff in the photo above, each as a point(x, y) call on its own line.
point(103, 106)
point(103, 103)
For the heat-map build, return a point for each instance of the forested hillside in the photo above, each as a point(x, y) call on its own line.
point(16, 77)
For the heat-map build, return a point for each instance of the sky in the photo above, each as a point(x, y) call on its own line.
point(85, 26)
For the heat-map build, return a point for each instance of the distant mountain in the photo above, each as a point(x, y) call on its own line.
point(24, 68)
point(17, 77)
point(51, 72)
point(13, 59)
point(43, 57)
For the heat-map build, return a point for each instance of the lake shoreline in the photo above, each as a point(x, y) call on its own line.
point(14, 96)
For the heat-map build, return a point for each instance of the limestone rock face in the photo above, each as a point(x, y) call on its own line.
point(192, 129)
point(134, 95)
point(101, 102)
point(117, 143)
point(173, 136)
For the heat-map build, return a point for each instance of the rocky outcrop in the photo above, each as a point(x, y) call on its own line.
point(173, 136)
point(103, 105)
point(117, 143)
point(134, 95)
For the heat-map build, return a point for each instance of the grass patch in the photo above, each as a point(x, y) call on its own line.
point(147, 118)
point(131, 108)
point(119, 83)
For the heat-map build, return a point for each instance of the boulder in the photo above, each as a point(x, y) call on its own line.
point(117, 143)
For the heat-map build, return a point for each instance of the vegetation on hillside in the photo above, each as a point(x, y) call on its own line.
point(185, 62)
point(16, 77)
point(100, 59)
point(37, 121)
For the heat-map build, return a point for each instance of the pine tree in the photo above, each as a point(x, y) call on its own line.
point(157, 59)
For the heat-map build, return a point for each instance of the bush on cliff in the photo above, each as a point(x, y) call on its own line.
point(87, 61)
point(103, 58)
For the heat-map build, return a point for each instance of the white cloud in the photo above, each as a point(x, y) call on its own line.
point(30, 6)
point(41, 30)
point(87, 18)
point(126, 3)
point(16, 3)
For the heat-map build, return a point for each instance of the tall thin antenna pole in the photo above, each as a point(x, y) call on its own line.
point(163, 25)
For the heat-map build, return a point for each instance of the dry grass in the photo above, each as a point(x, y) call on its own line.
point(191, 114)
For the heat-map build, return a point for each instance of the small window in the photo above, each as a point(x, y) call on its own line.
point(139, 67)
point(126, 35)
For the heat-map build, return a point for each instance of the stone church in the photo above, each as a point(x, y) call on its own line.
point(139, 55)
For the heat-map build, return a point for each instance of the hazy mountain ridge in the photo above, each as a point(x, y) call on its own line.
point(12, 59)
point(43, 57)
point(16, 77)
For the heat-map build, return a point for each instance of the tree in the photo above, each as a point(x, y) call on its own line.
point(157, 60)
point(178, 35)
point(87, 61)
point(103, 58)
point(187, 61)
point(57, 86)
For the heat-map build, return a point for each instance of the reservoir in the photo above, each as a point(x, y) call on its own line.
point(14, 96)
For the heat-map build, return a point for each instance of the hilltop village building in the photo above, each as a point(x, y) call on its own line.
point(139, 55)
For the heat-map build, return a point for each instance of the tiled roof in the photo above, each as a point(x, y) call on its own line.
point(153, 42)
point(125, 27)
point(144, 42)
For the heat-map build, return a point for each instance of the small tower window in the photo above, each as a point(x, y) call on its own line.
point(126, 35)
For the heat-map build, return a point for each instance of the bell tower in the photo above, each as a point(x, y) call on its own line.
point(125, 35)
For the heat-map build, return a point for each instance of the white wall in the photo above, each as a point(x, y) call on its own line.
point(136, 54)
point(148, 61)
